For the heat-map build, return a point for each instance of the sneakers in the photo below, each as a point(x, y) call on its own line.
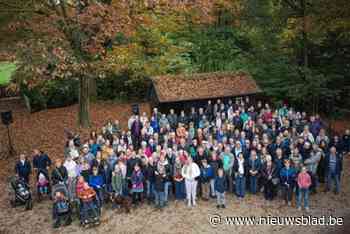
point(299, 208)
point(218, 206)
point(223, 206)
point(289, 203)
point(307, 209)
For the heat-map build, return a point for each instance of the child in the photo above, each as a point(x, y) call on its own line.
point(304, 183)
point(159, 188)
point(207, 174)
point(43, 183)
point(137, 184)
point(220, 186)
point(61, 210)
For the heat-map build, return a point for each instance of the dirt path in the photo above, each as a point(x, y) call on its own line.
point(177, 218)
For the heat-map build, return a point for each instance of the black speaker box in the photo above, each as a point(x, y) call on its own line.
point(6, 117)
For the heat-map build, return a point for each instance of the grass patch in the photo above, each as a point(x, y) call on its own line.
point(6, 71)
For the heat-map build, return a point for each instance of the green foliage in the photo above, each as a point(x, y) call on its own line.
point(6, 71)
point(51, 94)
point(60, 93)
point(122, 86)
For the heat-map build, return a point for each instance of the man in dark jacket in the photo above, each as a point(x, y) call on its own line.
point(23, 168)
point(136, 132)
point(333, 168)
point(172, 118)
point(41, 162)
point(209, 110)
point(254, 166)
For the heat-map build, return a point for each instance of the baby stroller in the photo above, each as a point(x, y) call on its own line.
point(68, 189)
point(61, 209)
point(42, 185)
point(20, 193)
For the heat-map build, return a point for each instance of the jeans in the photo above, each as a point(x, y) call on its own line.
point(303, 193)
point(287, 192)
point(212, 187)
point(229, 180)
point(240, 186)
point(220, 198)
point(150, 190)
point(253, 184)
point(205, 190)
point(180, 193)
point(332, 176)
point(43, 189)
point(100, 195)
point(159, 198)
point(166, 190)
point(191, 190)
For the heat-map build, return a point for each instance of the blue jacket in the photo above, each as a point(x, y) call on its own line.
point(96, 181)
point(220, 184)
point(288, 176)
point(338, 166)
point(207, 173)
point(94, 148)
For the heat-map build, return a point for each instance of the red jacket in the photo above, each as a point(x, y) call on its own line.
point(304, 180)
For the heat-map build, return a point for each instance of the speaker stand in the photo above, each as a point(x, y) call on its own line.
point(11, 150)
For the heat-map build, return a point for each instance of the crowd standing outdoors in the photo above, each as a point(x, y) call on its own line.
point(208, 153)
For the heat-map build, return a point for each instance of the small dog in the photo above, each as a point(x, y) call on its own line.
point(123, 203)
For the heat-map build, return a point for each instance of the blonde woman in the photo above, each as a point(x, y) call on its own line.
point(190, 172)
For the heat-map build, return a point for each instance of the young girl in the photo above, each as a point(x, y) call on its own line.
point(43, 183)
point(304, 183)
point(190, 172)
point(137, 184)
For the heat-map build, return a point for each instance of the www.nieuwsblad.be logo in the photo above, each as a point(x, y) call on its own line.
point(17, 5)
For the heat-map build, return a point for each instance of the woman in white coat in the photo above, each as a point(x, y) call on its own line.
point(190, 172)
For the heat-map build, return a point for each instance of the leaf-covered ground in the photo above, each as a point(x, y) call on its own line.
point(45, 131)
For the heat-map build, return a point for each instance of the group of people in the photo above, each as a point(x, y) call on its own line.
point(220, 149)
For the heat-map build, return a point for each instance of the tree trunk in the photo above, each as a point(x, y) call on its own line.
point(304, 35)
point(92, 88)
point(84, 102)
